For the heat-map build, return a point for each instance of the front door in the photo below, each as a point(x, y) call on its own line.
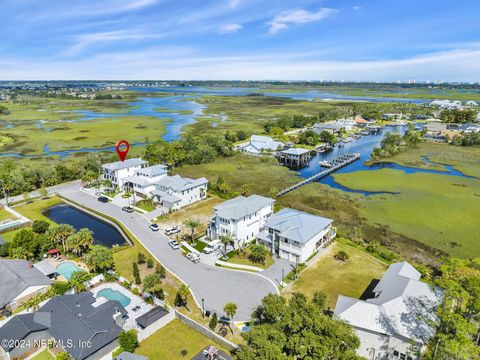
point(276, 244)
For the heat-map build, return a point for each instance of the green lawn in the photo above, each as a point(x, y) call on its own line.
point(44, 355)
point(335, 277)
point(237, 259)
point(168, 342)
point(33, 209)
point(440, 211)
point(5, 215)
point(145, 205)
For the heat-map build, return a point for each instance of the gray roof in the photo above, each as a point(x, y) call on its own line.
point(137, 180)
point(129, 356)
point(297, 225)
point(70, 318)
point(261, 142)
point(45, 267)
point(154, 170)
point(401, 302)
point(165, 196)
point(295, 151)
point(16, 277)
point(469, 125)
point(124, 164)
point(331, 126)
point(177, 183)
point(242, 206)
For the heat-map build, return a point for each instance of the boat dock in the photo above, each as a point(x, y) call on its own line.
point(336, 164)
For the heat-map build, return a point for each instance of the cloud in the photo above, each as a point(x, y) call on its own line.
point(229, 28)
point(296, 17)
point(357, 8)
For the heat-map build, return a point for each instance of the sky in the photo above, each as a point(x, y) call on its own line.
point(363, 40)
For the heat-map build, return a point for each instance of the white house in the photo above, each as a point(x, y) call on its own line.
point(241, 217)
point(259, 144)
point(175, 192)
point(394, 324)
point(116, 172)
point(143, 182)
point(470, 127)
point(293, 234)
point(19, 281)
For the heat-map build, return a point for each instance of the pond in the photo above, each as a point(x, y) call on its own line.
point(103, 233)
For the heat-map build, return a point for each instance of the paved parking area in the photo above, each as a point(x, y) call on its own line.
point(217, 286)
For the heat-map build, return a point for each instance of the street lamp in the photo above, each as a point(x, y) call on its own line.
point(4, 191)
point(203, 308)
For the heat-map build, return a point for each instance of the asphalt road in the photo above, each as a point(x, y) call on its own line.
point(217, 286)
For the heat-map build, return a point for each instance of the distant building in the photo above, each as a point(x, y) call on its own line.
point(294, 157)
point(331, 127)
point(116, 172)
point(293, 234)
point(470, 127)
point(241, 217)
point(175, 192)
point(260, 144)
point(19, 281)
point(446, 104)
point(394, 323)
point(85, 327)
point(143, 182)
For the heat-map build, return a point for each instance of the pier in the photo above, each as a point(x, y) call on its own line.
point(336, 164)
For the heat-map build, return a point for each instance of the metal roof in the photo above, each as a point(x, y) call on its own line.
point(295, 151)
point(178, 183)
point(124, 164)
point(242, 206)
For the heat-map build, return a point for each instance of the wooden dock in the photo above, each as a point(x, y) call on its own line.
point(337, 164)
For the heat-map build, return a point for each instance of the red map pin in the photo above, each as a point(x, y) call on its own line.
point(122, 153)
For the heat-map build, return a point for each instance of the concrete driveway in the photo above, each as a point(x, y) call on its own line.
point(217, 286)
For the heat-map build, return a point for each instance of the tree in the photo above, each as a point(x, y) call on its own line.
point(136, 274)
point(225, 239)
point(43, 192)
point(296, 329)
point(99, 258)
point(192, 224)
point(84, 238)
point(59, 234)
point(230, 309)
point(245, 189)
point(213, 322)
point(341, 256)
point(272, 193)
point(152, 284)
point(26, 196)
point(160, 270)
point(319, 299)
point(128, 340)
point(78, 281)
point(258, 253)
point(40, 226)
point(150, 263)
point(141, 258)
point(182, 295)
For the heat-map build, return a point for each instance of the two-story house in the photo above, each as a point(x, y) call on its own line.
point(293, 234)
point(144, 180)
point(241, 217)
point(116, 172)
point(175, 192)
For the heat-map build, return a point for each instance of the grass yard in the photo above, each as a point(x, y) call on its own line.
point(169, 341)
point(44, 355)
point(237, 259)
point(5, 215)
point(440, 211)
point(33, 209)
point(335, 277)
point(145, 205)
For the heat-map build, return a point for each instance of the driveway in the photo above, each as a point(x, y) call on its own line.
point(279, 268)
point(217, 286)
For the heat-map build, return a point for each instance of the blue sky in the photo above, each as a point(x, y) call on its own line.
point(381, 40)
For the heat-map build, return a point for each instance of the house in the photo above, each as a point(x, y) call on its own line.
point(143, 182)
point(19, 281)
point(83, 326)
point(331, 127)
point(116, 172)
point(471, 104)
point(361, 122)
point(394, 323)
point(470, 127)
point(294, 157)
point(446, 104)
point(260, 144)
point(348, 124)
point(175, 192)
point(241, 217)
point(295, 235)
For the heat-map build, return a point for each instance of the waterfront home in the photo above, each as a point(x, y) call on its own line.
point(85, 327)
point(175, 192)
point(19, 281)
point(295, 235)
point(116, 172)
point(294, 157)
point(241, 217)
point(258, 145)
point(395, 322)
point(144, 180)
point(361, 122)
point(331, 127)
point(469, 127)
point(446, 104)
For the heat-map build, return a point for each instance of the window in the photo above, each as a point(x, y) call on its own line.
point(395, 353)
point(402, 356)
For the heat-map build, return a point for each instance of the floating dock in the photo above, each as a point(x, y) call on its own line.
point(336, 163)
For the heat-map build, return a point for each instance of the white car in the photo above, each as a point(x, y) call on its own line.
point(212, 246)
point(193, 257)
point(172, 230)
point(174, 245)
point(154, 227)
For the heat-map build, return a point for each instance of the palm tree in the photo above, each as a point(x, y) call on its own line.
point(226, 239)
point(230, 309)
point(59, 234)
point(84, 239)
point(183, 292)
point(73, 245)
point(192, 224)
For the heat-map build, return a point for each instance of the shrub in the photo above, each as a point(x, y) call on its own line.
point(160, 270)
point(141, 258)
point(341, 256)
point(150, 263)
point(128, 340)
point(213, 322)
point(135, 291)
point(40, 226)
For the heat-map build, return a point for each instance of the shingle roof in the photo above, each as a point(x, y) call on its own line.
point(297, 225)
point(129, 356)
point(242, 206)
point(16, 277)
point(178, 183)
point(17, 328)
point(124, 164)
point(401, 303)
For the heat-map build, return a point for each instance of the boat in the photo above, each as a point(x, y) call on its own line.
point(325, 163)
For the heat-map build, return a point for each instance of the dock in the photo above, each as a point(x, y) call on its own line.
point(337, 163)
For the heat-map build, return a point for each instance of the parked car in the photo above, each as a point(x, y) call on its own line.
point(172, 230)
point(154, 227)
point(174, 245)
point(127, 209)
point(212, 246)
point(103, 199)
point(193, 257)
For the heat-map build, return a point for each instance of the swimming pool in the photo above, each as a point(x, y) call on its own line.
point(111, 294)
point(67, 269)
